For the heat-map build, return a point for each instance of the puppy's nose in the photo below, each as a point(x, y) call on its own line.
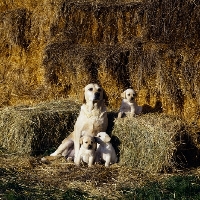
point(132, 98)
point(90, 146)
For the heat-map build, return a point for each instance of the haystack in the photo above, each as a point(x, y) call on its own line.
point(156, 142)
point(51, 49)
point(33, 130)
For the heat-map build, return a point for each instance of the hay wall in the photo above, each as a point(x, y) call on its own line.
point(52, 49)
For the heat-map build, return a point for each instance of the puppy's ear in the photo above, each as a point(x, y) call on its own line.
point(123, 95)
point(107, 138)
point(83, 96)
point(81, 140)
point(105, 97)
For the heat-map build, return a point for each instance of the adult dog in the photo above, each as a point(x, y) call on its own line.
point(91, 120)
point(129, 107)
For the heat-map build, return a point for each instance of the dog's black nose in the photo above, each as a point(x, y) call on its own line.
point(89, 146)
point(132, 98)
point(97, 95)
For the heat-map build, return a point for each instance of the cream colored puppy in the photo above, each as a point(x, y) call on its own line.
point(87, 150)
point(105, 151)
point(92, 119)
point(129, 106)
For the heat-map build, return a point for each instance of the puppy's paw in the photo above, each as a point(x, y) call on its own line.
point(107, 165)
point(77, 162)
point(45, 160)
point(69, 159)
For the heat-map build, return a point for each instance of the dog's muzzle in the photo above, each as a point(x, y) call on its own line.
point(96, 96)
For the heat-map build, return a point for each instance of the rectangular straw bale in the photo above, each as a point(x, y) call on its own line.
point(33, 130)
point(147, 142)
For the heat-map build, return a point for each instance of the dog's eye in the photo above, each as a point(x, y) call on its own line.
point(128, 94)
point(99, 136)
point(90, 89)
point(86, 142)
point(99, 90)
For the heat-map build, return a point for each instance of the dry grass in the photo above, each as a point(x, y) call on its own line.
point(60, 176)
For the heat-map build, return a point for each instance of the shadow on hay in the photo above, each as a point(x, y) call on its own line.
point(187, 154)
point(149, 109)
point(115, 141)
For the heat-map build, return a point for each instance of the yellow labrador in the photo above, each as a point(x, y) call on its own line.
point(105, 151)
point(86, 152)
point(129, 107)
point(91, 120)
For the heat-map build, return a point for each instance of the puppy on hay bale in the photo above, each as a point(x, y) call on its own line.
point(151, 142)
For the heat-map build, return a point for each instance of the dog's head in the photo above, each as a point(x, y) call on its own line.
point(88, 142)
point(93, 92)
point(102, 137)
point(129, 94)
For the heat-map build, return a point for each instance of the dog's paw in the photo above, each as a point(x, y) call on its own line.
point(54, 154)
point(70, 159)
point(45, 160)
point(107, 165)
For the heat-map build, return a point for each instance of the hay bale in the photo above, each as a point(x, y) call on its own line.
point(156, 142)
point(51, 49)
point(33, 130)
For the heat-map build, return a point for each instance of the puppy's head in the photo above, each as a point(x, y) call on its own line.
point(88, 142)
point(129, 94)
point(102, 137)
point(93, 92)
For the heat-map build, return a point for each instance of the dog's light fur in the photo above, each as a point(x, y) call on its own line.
point(105, 151)
point(87, 150)
point(129, 107)
point(91, 120)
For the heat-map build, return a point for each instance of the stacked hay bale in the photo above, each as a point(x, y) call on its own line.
point(33, 130)
point(52, 49)
point(155, 142)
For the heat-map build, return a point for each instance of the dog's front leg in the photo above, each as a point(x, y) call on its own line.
point(77, 135)
point(91, 161)
point(120, 114)
point(132, 111)
point(108, 159)
point(78, 159)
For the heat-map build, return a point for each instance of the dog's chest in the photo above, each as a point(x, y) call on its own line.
point(96, 117)
point(86, 154)
point(127, 106)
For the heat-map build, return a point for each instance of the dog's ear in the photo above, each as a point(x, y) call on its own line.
point(105, 97)
point(123, 95)
point(83, 96)
point(81, 140)
point(107, 138)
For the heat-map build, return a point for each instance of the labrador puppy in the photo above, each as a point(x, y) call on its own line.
point(105, 151)
point(91, 120)
point(87, 150)
point(129, 106)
